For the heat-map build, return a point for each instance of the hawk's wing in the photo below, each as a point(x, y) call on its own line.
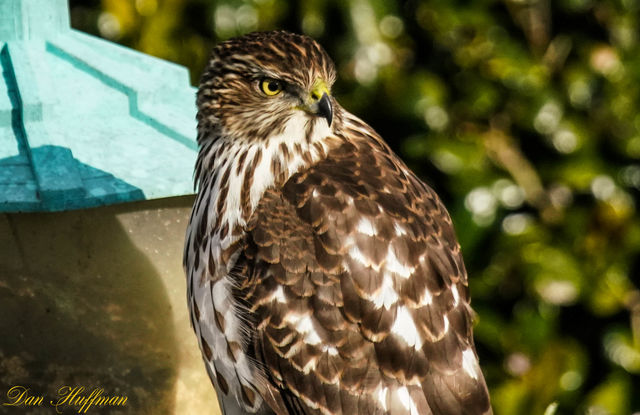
point(357, 289)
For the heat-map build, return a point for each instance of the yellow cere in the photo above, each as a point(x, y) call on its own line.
point(319, 89)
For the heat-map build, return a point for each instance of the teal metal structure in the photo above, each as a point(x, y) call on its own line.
point(85, 122)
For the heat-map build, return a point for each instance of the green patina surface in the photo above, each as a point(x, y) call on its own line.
point(85, 122)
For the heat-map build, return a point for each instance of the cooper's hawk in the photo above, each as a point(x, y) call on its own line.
point(323, 276)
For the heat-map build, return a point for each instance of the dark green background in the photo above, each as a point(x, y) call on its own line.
point(524, 116)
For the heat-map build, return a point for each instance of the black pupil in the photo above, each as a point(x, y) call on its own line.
point(273, 86)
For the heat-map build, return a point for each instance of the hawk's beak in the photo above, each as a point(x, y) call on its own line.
point(325, 108)
point(321, 102)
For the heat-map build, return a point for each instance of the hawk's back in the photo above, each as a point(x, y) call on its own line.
point(358, 292)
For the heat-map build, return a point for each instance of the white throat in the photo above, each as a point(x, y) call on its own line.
point(293, 149)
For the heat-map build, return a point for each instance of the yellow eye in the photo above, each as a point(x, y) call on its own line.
point(271, 87)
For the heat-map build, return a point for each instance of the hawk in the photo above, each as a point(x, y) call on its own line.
point(323, 276)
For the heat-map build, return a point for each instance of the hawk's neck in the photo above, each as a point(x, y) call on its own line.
point(233, 175)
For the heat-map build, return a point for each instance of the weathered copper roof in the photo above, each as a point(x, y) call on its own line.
point(85, 122)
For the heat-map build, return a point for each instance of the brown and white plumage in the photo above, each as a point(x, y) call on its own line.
point(323, 276)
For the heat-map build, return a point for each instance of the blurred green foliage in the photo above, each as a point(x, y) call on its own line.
point(524, 115)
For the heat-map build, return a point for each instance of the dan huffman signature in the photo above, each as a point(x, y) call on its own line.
point(77, 397)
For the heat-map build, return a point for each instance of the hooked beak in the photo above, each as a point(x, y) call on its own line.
point(325, 108)
point(320, 102)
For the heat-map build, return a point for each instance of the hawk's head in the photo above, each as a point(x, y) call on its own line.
point(254, 84)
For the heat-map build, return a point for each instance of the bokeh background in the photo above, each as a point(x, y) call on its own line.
point(524, 115)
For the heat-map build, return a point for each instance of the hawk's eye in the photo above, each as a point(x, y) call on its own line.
point(270, 87)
